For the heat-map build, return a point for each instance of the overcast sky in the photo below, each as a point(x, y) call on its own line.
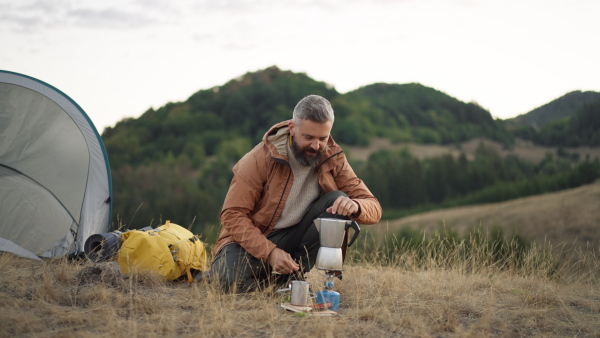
point(117, 58)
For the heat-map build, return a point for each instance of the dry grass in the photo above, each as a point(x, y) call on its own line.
point(523, 149)
point(565, 217)
point(439, 294)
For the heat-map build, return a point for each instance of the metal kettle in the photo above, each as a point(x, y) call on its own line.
point(331, 235)
point(332, 230)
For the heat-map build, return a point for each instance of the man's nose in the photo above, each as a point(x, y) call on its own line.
point(315, 145)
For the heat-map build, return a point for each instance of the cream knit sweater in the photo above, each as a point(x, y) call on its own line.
point(305, 190)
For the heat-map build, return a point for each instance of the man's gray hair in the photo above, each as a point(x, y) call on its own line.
point(314, 108)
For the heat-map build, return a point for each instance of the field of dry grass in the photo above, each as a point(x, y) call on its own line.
point(522, 149)
point(565, 217)
point(439, 294)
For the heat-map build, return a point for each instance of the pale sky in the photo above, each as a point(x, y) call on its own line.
point(118, 58)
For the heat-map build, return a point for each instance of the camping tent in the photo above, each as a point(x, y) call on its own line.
point(55, 184)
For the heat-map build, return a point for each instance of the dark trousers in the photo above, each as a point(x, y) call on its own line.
point(238, 271)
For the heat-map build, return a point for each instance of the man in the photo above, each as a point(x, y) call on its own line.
point(295, 175)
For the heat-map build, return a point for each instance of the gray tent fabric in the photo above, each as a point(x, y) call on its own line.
point(55, 183)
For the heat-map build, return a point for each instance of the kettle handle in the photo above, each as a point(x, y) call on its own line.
point(354, 225)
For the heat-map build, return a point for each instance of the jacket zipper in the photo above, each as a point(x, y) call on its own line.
point(330, 157)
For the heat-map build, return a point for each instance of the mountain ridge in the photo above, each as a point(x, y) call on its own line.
point(245, 107)
point(559, 108)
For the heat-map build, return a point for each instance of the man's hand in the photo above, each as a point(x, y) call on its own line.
point(282, 262)
point(343, 206)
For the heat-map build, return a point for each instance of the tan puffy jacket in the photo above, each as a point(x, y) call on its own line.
point(262, 182)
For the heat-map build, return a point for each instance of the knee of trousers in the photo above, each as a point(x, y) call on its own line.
point(333, 195)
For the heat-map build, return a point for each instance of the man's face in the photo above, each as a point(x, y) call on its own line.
point(310, 139)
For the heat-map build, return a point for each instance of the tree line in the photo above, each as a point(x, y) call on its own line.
point(404, 184)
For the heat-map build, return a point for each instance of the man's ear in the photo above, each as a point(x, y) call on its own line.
point(291, 127)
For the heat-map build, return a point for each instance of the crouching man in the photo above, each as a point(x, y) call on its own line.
point(295, 175)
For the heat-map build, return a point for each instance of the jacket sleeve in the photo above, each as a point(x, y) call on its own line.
point(347, 181)
point(244, 192)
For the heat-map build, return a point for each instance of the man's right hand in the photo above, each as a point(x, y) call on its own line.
point(282, 262)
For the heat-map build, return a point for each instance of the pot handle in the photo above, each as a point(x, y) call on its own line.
point(353, 225)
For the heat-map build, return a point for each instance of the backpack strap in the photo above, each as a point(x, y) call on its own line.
point(187, 269)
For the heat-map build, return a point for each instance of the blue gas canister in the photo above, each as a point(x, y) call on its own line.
point(329, 296)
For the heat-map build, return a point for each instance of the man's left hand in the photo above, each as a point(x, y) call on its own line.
point(343, 206)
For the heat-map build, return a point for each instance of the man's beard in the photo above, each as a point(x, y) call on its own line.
point(307, 156)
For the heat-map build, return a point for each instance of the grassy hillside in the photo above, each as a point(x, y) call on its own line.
point(523, 149)
point(424, 292)
point(566, 217)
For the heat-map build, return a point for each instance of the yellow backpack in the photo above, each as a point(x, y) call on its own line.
point(169, 250)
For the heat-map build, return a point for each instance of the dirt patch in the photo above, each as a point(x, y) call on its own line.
point(105, 272)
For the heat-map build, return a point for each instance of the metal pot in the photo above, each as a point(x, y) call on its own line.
point(332, 230)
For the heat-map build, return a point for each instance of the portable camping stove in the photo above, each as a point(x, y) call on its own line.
point(328, 295)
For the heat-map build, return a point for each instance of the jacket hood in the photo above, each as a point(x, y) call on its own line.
point(276, 139)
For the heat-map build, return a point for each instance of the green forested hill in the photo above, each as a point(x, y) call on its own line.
point(240, 112)
point(413, 112)
point(174, 163)
point(581, 129)
point(237, 113)
point(570, 121)
point(563, 107)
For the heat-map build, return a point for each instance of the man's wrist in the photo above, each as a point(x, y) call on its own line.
point(357, 213)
